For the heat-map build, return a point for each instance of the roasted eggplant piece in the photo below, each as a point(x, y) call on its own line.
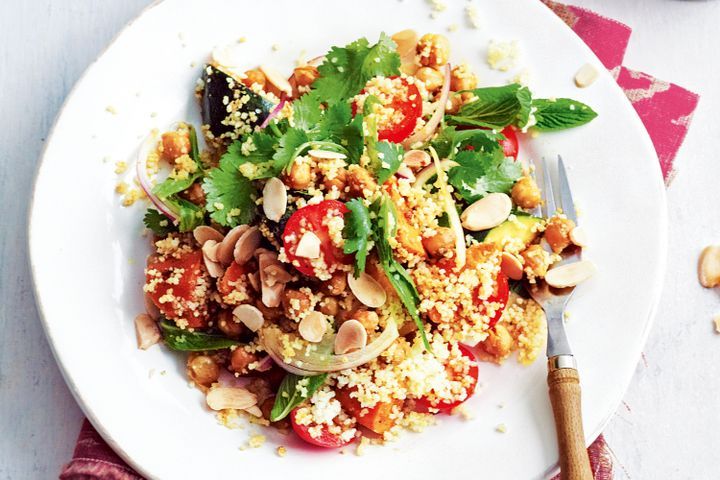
point(229, 108)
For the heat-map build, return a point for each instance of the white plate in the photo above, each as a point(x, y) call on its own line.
point(87, 253)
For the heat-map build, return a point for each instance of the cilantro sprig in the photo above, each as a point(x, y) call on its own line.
point(357, 233)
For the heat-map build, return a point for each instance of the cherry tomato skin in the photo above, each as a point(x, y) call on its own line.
point(325, 440)
point(501, 296)
point(423, 405)
point(510, 145)
point(312, 218)
point(409, 105)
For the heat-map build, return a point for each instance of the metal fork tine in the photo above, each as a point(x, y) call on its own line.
point(549, 205)
point(566, 200)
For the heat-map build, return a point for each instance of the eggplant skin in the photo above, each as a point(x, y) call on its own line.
point(229, 109)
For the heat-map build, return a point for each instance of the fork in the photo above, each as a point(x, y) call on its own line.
point(563, 379)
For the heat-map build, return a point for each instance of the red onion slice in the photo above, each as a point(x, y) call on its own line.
point(148, 145)
point(274, 112)
point(429, 128)
point(264, 364)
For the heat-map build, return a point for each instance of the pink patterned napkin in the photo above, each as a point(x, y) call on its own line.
point(664, 108)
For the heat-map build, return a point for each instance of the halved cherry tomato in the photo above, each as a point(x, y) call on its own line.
point(423, 405)
point(406, 101)
point(500, 295)
point(510, 145)
point(378, 419)
point(325, 439)
point(314, 218)
point(233, 273)
point(185, 300)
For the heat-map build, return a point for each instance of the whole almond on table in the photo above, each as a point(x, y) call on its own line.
point(709, 266)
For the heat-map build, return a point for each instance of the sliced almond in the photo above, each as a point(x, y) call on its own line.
point(274, 199)
point(351, 336)
point(147, 332)
point(230, 397)
point(209, 249)
point(417, 159)
point(570, 274)
point(308, 246)
point(367, 290)
point(313, 327)
point(203, 233)
point(254, 411)
point(275, 273)
point(709, 267)
point(276, 79)
point(578, 237)
point(327, 155)
point(215, 269)
point(405, 172)
point(246, 245)
point(227, 246)
point(511, 266)
point(228, 56)
point(586, 76)
point(271, 295)
point(250, 316)
point(488, 212)
point(254, 279)
point(406, 41)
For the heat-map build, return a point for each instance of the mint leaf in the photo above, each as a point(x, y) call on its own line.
point(294, 390)
point(561, 113)
point(186, 341)
point(480, 173)
point(229, 195)
point(172, 186)
point(158, 223)
point(190, 215)
point(346, 70)
point(495, 107)
point(357, 233)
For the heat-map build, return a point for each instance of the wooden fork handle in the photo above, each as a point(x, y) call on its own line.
point(564, 385)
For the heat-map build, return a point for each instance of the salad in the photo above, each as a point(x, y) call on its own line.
point(353, 240)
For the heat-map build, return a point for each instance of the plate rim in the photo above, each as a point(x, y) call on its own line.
point(657, 287)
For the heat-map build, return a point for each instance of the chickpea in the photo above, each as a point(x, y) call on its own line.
point(337, 284)
point(329, 306)
point(174, 145)
point(240, 359)
point(254, 76)
point(462, 78)
point(195, 194)
point(440, 243)
point(348, 306)
point(360, 181)
point(433, 50)
point(266, 407)
point(499, 342)
point(203, 370)
point(305, 75)
point(537, 260)
point(433, 79)
point(455, 102)
point(295, 302)
point(270, 314)
point(368, 318)
point(338, 181)
point(557, 233)
point(526, 194)
point(228, 326)
point(435, 316)
point(300, 176)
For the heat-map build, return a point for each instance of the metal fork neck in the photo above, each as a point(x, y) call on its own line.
point(561, 361)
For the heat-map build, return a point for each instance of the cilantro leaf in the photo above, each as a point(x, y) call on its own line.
point(357, 233)
point(230, 196)
point(158, 223)
point(480, 173)
point(172, 186)
point(307, 112)
point(450, 140)
point(389, 157)
point(291, 145)
point(561, 113)
point(294, 390)
point(496, 107)
point(253, 155)
point(191, 215)
point(346, 70)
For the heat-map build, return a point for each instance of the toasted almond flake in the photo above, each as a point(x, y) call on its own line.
point(271, 294)
point(578, 237)
point(203, 233)
point(326, 155)
point(254, 279)
point(230, 56)
point(210, 249)
point(586, 76)
point(147, 332)
point(227, 397)
point(716, 321)
point(274, 199)
point(417, 159)
point(308, 246)
point(215, 269)
point(570, 274)
point(511, 266)
point(227, 246)
point(709, 266)
point(488, 212)
point(250, 316)
point(367, 290)
point(254, 411)
point(246, 245)
point(275, 273)
point(276, 79)
point(350, 336)
point(313, 327)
